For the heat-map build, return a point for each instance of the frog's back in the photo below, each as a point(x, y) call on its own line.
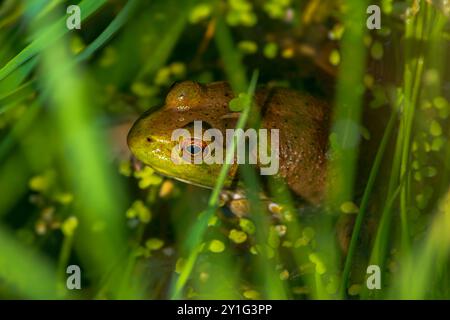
point(303, 123)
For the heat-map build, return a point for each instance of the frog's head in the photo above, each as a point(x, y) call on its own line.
point(153, 137)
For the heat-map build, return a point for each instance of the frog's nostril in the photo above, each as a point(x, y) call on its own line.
point(149, 139)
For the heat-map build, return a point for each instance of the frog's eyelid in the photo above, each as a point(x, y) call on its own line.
point(173, 85)
point(205, 125)
point(193, 142)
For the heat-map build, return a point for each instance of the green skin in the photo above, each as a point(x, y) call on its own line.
point(302, 121)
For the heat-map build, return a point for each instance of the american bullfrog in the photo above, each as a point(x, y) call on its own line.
point(302, 120)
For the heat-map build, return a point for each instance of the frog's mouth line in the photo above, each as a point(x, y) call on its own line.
point(190, 182)
point(163, 173)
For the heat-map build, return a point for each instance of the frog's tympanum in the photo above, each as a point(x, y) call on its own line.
point(301, 119)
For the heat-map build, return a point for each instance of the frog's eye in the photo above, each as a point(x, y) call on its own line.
point(185, 95)
point(193, 149)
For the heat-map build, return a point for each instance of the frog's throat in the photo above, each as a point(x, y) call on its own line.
point(190, 182)
point(232, 183)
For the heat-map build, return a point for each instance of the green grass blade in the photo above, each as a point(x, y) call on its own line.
point(110, 30)
point(164, 45)
point(24, 271)
point(47, 36)
point(365, 201)
point(347, 112)
point(421, 269)
point(198, 231)
point(232, 59)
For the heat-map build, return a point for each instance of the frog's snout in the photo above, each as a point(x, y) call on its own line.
point(135, 139)
point(141, 139)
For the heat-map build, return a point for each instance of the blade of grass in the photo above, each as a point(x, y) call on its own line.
point(235, 71)
point(293, 220)
point(10, 99)
point(266, 266)
point(365, 202)
point(413, 75)
point(394, 187)
point(420, 270)
point(196, 235)
point(232, 59)
point(19, 128)
point(164, 45)
point(100, 240)
point(345, 133)
point(14, 175)
point(24, 271)
point(10, 83)
point(46, 37)
point(115, 25)
point(347, 112)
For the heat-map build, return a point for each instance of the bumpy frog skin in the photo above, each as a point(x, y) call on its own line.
point(302, 121)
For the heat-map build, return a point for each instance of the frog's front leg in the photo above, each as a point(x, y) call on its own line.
point(239, 204)
point(236, 202)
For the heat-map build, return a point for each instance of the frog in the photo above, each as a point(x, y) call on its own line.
point(302, 121)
